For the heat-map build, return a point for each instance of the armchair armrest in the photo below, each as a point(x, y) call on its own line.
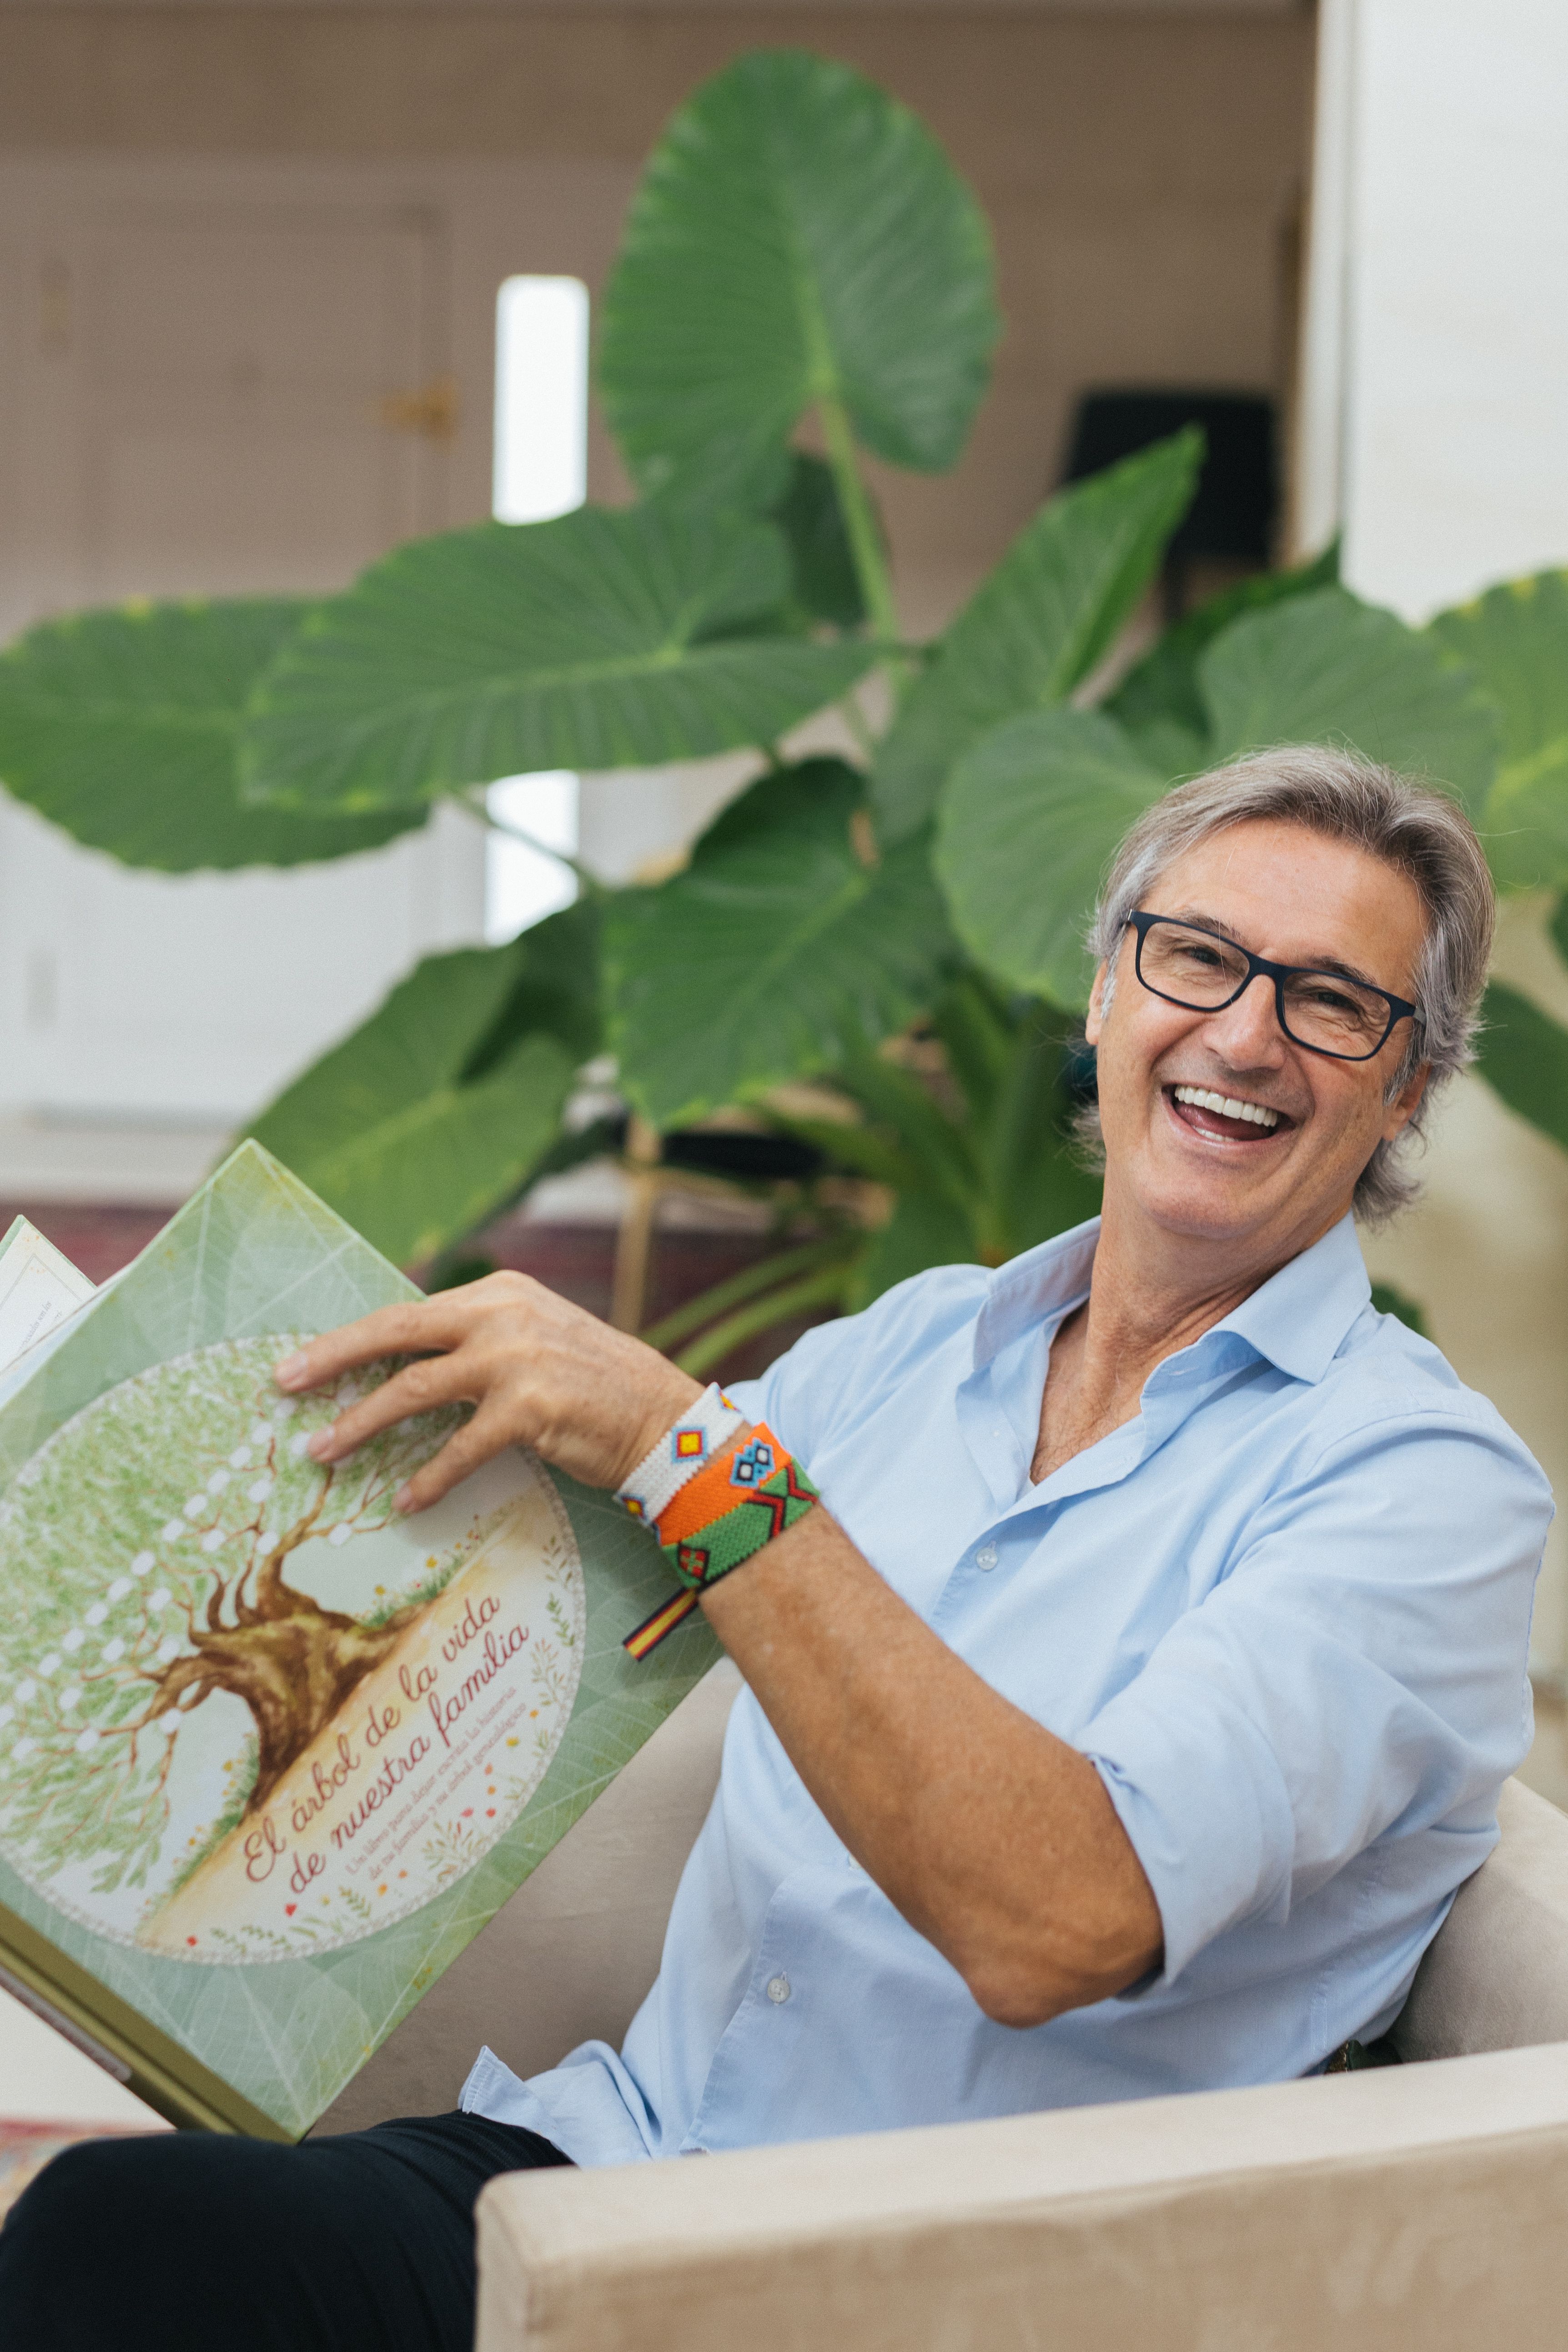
point(1497, 1975)
point(1406, 2210)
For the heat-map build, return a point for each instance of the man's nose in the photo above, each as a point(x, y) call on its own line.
point(1246, 1032)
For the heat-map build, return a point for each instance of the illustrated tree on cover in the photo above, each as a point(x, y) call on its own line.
point(149, 1554)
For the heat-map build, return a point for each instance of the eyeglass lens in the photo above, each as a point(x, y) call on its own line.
point(1195, 969)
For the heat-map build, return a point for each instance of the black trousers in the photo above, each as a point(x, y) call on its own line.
point(194, 2242)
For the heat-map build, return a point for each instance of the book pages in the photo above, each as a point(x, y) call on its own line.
point(39, 1288)
point(270, 1753)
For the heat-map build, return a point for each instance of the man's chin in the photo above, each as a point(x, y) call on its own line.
point(1210, 1221)
point(1225, 1201)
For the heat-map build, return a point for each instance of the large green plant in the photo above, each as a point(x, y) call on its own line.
point(804, 280)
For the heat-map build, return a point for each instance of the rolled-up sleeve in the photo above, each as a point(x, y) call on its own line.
point(1354, 1675)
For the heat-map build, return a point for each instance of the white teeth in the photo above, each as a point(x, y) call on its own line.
point(1227, 1106)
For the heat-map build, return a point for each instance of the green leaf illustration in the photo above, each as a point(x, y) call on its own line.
point(798, 236)
point(122, 727)
point(1027, 826)
point(776, 954)
point(1038, 624)
point(1515, 640)
point(590, 642)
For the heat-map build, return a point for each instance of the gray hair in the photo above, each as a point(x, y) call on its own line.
point(1411, 827)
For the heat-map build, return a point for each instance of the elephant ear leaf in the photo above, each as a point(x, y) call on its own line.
point(122, 727)
point(1514, 639)
point(1160, 701)
point(774, 955)
point(1029, 822)
point(602, 639)
point(925, 1230)
point(1522, 1054)
point(798, 237)
point(822, 562)
point(1034, 630)
point(437, 1109)
point(1329, 669)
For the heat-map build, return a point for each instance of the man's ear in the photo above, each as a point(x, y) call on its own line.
point(1094, 1021)
point(1398, 1114)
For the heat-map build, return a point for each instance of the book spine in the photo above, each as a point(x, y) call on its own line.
point(108, 2032)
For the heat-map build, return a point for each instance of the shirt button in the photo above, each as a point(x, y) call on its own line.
point(778, 1988)
point(986, 1555)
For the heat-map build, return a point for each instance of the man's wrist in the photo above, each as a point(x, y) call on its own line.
point(681, 1452)
point(715, 1489)
point(662, 1409)
point(751, 1492)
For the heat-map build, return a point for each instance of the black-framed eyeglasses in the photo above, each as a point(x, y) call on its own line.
point(1349, 1020)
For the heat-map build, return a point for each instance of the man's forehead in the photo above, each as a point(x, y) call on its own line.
point(1324, 958)
point(1287, 891)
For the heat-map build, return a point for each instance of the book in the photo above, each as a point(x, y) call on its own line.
point(39, 1287)
point(271, 1754)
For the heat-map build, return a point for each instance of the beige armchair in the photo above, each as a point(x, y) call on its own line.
point(1422, 2207)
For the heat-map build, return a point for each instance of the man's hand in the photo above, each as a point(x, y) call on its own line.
point(538, 1371)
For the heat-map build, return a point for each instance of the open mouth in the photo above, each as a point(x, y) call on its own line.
point(1228, 1118)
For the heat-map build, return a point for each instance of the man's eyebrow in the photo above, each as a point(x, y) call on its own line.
point(1337, 965)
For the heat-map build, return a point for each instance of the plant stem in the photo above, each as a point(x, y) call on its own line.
point(634, 1240)
point(859, 519)
point(815, 1290)
point(738, 1287)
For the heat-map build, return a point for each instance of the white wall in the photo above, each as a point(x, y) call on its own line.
point(1457, 443)
point(1434, 426)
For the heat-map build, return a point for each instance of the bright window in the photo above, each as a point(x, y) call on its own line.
point(541, 470)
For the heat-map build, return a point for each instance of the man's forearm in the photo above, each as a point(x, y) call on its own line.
point(993, 1838)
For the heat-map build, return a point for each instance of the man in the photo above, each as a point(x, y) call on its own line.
point(1127, 1714)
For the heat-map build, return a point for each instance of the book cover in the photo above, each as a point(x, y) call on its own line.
point(270, 1755)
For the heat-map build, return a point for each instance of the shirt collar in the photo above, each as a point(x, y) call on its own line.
point(1039, 1286)
point(1298, 1318)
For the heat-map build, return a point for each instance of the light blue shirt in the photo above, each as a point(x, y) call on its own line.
point(1285, 1611)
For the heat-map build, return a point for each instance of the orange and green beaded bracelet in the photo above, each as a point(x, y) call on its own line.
point(743, 1495)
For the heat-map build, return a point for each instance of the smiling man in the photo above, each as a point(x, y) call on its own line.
point(1125, 1714)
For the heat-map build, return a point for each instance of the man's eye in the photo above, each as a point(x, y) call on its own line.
point(1330, 1000)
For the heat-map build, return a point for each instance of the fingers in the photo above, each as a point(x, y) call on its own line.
point(417, 1388)
point(422, 1325)
point(390, 1331)
point(477, 1442)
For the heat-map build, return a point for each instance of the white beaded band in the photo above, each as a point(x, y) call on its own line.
point(679, 1454)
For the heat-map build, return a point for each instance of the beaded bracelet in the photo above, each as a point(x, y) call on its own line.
point(724, 1510)
point(685, 1447)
